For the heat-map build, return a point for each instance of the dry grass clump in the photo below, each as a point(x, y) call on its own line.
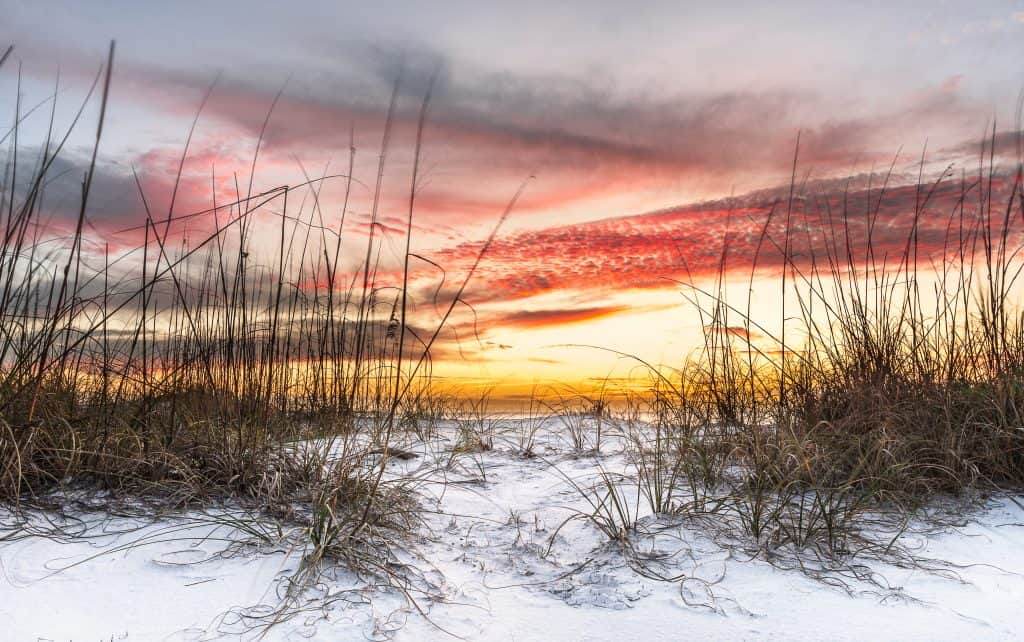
point(889, 383)
point(478, 426)
point(916, 441)
point(182, 457)
point(222, 367)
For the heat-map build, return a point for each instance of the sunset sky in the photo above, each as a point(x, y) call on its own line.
point(636, 123)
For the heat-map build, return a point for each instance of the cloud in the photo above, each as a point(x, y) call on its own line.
point(489, 129)
point(553, 317)
point(654, 249)
point(585, 143)
point(484, 136)
point(735, 331)
point(117, 205)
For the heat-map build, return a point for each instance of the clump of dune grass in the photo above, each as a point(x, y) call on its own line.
point(891, 386)
point(478, 426)
point(528, 424)
point(584, 417)
point(206, 369)
point(890, 382)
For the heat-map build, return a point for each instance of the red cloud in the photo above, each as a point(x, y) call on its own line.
point(486, 139)
point(648, 250)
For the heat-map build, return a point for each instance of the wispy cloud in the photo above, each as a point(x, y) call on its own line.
point(549, 317)
point(691, 242)
point(584, 142)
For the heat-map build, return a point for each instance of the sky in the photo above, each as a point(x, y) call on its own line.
point(645, 134)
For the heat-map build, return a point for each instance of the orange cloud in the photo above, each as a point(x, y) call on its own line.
point(554, 317)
